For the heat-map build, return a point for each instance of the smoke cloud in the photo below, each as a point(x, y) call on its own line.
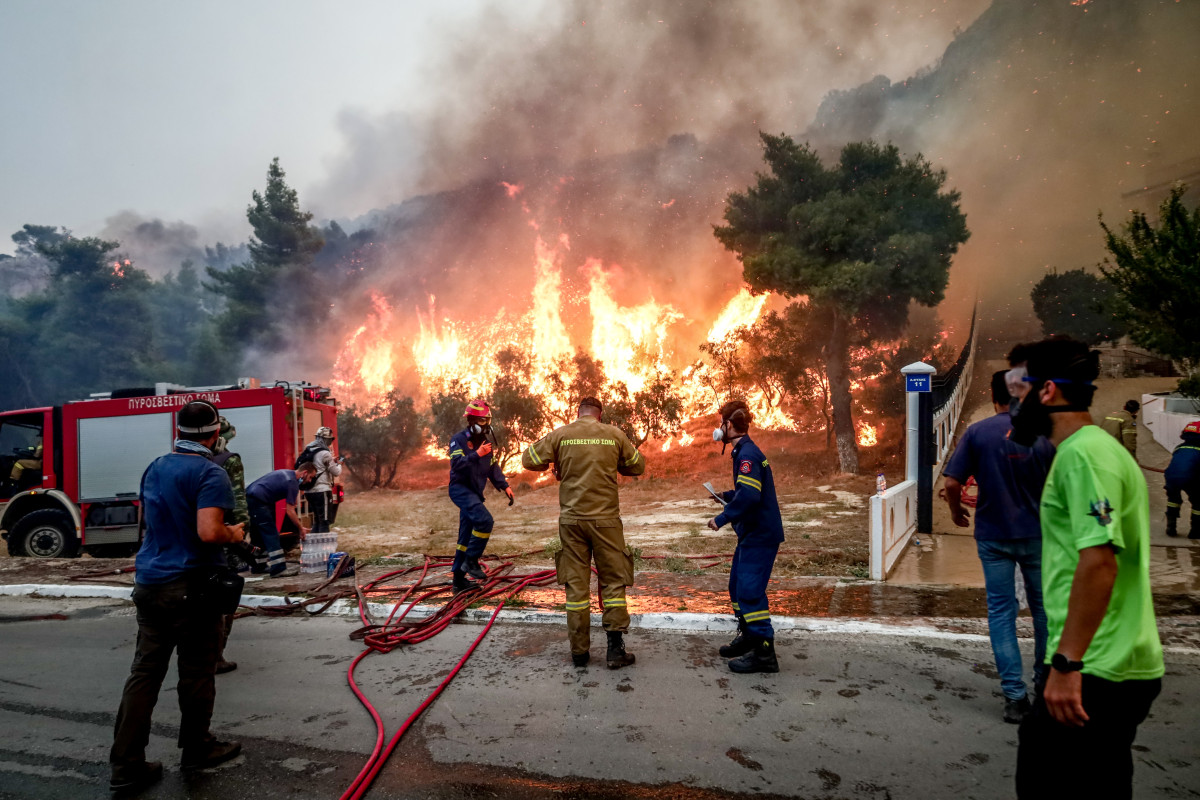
point(155, 246)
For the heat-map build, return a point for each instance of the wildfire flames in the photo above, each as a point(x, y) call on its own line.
point(632, 342)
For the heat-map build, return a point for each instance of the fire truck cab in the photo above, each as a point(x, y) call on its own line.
point(70, 475)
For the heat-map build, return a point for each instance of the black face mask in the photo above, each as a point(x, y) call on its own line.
point(1030, 420)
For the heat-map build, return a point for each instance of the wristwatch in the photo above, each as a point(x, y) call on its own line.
point(1064, 664)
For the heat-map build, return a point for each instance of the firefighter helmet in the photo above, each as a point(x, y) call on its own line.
point(1191, 429)
point(478, 408)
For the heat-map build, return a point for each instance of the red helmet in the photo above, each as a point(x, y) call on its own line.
point(1192, 428)
point(478, 408)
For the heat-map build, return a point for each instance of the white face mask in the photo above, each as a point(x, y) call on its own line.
point(718, 435)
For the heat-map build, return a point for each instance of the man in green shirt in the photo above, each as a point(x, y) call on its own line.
point(1107, 662)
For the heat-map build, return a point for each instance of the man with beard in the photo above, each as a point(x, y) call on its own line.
point(1107, 665)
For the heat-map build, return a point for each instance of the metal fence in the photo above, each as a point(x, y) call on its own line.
point(894, 513)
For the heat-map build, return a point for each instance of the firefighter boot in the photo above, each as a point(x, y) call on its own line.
point(1194, 532)
point(581, 659)
point(617, 657)
point(760, 658)
point(741, 644)
point(463, 584)
point(474, 570)
point(1172, 526)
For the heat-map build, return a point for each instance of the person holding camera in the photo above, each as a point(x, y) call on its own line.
point(184, 498)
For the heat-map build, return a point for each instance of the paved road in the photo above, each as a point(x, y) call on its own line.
point(850, 716)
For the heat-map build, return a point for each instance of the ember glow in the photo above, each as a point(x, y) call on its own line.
point(866, 435)
point(633, 342)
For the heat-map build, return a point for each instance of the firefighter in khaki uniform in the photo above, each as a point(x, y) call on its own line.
point(753, 510)
point(587, 456)
point(1122, 426)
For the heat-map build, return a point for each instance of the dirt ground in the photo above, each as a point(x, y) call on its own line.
point(665, 511)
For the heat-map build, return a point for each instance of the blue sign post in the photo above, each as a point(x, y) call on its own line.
point(920, 382)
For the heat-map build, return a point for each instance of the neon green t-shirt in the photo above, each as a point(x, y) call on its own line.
point(1096, 494)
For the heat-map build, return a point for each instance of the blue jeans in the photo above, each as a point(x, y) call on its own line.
point(1000, 558)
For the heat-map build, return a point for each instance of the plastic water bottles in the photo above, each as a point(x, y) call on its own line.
point(314, 555)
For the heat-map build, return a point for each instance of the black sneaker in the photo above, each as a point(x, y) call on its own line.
point(150, 774)
point(617, 657)
point(581, 659)
point(760, 658)
point(1016, 710)
point(209, 754)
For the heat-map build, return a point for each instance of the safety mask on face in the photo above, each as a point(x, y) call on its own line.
point(477, 429)
point(1030, 420)
point(718, 435)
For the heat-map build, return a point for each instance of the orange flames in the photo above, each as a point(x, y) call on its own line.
point(866, 435)
point(632, 342)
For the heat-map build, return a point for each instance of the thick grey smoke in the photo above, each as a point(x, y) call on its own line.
point(1044, 114)
point(626, 125)
point(153, 245)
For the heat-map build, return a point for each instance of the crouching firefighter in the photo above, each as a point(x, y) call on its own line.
point(754, 513)
point(472, 465)
point(1183, 475)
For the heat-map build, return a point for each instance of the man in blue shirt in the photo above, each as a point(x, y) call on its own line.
point(262, 498)
point(184, 497)
point(753, 510)
point(1008, 534)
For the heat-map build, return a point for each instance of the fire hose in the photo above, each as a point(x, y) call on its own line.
point(500, 585)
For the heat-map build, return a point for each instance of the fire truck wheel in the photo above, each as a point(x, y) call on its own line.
point(48, 533)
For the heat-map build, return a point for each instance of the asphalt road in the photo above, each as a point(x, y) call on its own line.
point(849, 716)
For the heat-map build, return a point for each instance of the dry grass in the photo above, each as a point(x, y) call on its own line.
point(665, 512)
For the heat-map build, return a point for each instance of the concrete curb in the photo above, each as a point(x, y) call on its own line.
point(677, 622)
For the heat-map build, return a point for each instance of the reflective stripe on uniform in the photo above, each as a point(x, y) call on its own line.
point(756, 616)
point(579, 606)
point(1174, 505)
point(748, 481)
point(629, 462)
point(480, 535)
point(736, 607)
point(616, 602)
point(275, 557)
point(533, 456)
point(454, 453)
point(1114, 419)
point(461, 547)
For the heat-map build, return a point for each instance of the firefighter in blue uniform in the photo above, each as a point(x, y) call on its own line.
point(754, 512)
point(1183, 475)
point(471, 467)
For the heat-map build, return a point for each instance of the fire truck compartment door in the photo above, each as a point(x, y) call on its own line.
point(254, 441)
point(115, 451)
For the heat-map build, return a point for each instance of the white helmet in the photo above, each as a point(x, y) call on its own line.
point(324, 433)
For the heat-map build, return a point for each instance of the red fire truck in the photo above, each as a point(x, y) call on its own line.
point(71, 473)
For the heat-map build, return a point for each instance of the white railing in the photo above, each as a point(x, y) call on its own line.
point(893, 520)
point(893, 514)
point(945, 419)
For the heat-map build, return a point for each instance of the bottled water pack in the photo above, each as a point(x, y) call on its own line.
point(315, 552)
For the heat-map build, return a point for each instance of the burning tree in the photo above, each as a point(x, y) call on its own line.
point(861, 240)
point(1156, 269)
point(656, 410)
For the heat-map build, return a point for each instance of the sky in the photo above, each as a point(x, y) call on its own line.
point(174, 111)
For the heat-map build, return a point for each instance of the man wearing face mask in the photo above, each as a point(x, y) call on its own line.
point(754, 512)
point(472, 465)
point(1107, 665)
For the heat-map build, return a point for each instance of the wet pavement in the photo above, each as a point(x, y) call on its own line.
point(849, 715)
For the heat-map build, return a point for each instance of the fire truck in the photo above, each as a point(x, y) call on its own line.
point(71, 474)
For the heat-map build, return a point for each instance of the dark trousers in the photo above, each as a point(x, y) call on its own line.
point(321, 508)
point(167, 620)
point(601, 540)
point(748, 576)
point(265, 535)
point(1175, 506)
point(1095, 761)
point(474, 526)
